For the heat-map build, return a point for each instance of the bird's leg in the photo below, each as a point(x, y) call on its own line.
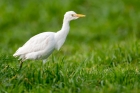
point(21, 62)
point(44, 61)
point(43, 65)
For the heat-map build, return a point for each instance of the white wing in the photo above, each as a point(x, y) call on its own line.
point(37, 43)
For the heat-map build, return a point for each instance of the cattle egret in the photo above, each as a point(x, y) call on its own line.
point(42, 45)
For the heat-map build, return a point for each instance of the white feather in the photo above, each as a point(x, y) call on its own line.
point(42, 45)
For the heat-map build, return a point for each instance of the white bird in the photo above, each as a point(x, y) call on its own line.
point(42, 45)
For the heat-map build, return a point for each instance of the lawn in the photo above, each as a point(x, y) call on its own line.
point(101, 53)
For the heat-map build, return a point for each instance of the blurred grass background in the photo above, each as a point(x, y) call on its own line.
point(108, 35)
point(106, 21)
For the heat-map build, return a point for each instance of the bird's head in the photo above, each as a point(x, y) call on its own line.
point(71, 15)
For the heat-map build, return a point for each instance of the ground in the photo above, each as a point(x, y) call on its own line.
point(101, 53)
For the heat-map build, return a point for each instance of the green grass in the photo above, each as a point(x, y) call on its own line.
point(101, 53)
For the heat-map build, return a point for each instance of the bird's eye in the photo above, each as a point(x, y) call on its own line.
point(72, 15)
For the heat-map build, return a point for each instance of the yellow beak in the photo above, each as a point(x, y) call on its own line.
point(79, 15)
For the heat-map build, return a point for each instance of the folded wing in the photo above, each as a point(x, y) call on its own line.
point(37, 44)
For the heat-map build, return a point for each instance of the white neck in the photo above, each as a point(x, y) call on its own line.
point(62, 34)
point(65, 27)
